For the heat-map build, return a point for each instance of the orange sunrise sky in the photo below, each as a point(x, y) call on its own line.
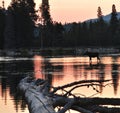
point(77, 10)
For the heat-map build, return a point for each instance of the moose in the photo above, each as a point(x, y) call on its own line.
point(92, 55)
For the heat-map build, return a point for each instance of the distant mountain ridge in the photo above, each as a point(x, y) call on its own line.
point(106, 18)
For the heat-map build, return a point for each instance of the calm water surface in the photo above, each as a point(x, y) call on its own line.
point(60, 71)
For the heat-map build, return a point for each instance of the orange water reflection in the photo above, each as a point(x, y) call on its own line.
point(59, 71)
point(69, 69)
point(38, 64)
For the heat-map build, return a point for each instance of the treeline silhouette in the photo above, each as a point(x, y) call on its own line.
point(19, 28)
point(95, 33)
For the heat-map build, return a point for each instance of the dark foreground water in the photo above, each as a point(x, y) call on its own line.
point(60, 70)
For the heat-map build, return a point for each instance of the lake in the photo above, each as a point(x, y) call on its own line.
point(59, 70)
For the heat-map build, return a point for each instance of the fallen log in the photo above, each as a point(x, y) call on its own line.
point(38, 101)
point(41, 99)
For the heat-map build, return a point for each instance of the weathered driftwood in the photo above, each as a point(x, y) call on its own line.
point(41, 100)
point(38, 101)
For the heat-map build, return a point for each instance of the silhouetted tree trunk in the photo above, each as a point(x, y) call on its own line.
point(10, 39)
point(2, 27)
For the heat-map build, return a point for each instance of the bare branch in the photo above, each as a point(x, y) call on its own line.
point(69, 92)
point(78, 82)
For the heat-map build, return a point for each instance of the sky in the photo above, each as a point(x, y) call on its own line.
point(66, 11)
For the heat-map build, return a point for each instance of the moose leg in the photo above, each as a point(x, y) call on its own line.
point(98, 58)
point(90, 59)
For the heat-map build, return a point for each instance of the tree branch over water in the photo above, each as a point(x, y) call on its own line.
point(80, 82)
point(43, 98)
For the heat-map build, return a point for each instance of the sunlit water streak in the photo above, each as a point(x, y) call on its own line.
point(6, 59)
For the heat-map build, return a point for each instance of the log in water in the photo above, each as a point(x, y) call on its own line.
point(38, 101)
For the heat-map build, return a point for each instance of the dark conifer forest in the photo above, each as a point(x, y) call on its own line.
point(22, 26)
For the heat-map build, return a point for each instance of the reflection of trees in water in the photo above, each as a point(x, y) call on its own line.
point(48, 69)
point(53, 71)
point(11, 73)
point(101, 76)
point(3, 80)
point(96, 71)
point(115, 75)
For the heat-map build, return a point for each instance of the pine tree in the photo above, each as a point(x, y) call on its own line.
point(45, 12)
point(47, 31)
point(100, 16)
point(99, 12)
point(2, 27)
point(100, 28)
point(23, 12)
point(113, 20)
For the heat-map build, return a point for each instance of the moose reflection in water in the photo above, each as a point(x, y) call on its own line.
point(92, 55)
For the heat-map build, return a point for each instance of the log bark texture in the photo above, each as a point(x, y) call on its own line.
point(38, 101)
